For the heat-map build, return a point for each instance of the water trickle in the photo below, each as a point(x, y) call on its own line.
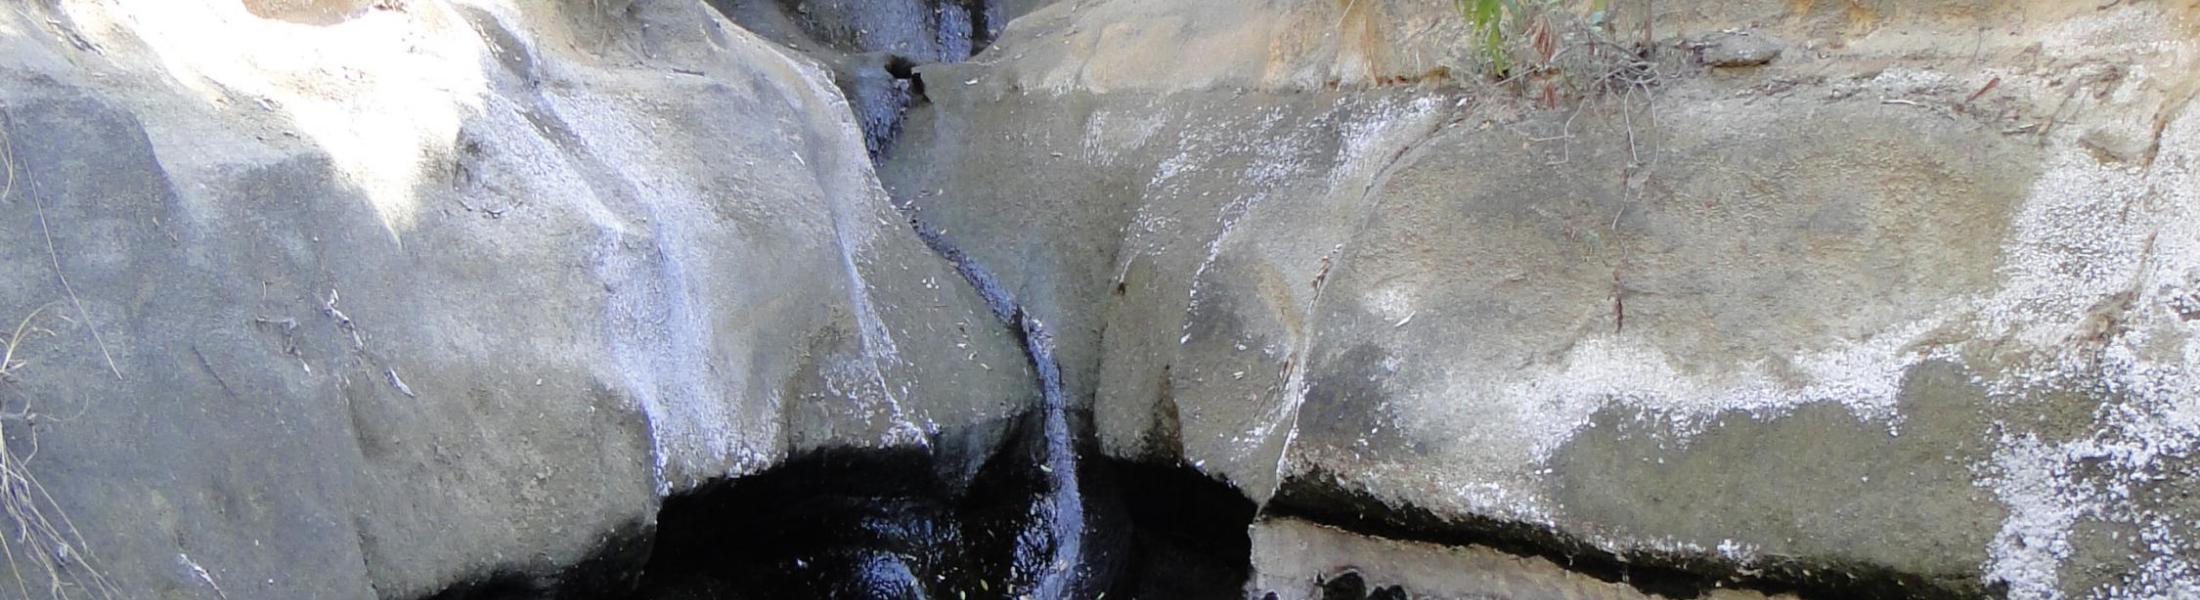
point(1049, 551)
point(873, 46)
point(1064, 500)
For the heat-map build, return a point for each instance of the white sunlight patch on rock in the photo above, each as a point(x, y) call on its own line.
point(383, 93)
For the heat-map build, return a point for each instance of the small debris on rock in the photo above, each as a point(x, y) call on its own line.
point(395, 382)
point(2110, 146)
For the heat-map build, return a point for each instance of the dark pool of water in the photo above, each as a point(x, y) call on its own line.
point(891, 524)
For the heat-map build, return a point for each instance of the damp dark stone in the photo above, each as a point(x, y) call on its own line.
point(1351, 586)
point(892, 524)
point(886, 524)
point(874, 46)
point(834, 524)
point(1345, 400)
point(1189, 535)
point(878, 93)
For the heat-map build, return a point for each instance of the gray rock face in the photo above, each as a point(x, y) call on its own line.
point(334, 298)
point(380, 298)
point(1869, 310)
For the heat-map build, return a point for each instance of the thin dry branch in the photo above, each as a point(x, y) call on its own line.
point(15, 341)
point(7, 160)
point(41, 534)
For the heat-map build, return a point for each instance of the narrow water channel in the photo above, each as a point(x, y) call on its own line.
point(1045, 516)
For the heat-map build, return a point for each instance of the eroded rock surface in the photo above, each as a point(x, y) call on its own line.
point(1880, 311)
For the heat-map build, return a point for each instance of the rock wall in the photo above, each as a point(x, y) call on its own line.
point(352, 298)
point(325, 299)
point(1908, 310)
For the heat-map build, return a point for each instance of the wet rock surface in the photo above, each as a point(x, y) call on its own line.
point(872, 46)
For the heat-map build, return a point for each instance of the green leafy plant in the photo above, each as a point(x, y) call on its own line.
point(1487, 17)
point(1496, 23)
